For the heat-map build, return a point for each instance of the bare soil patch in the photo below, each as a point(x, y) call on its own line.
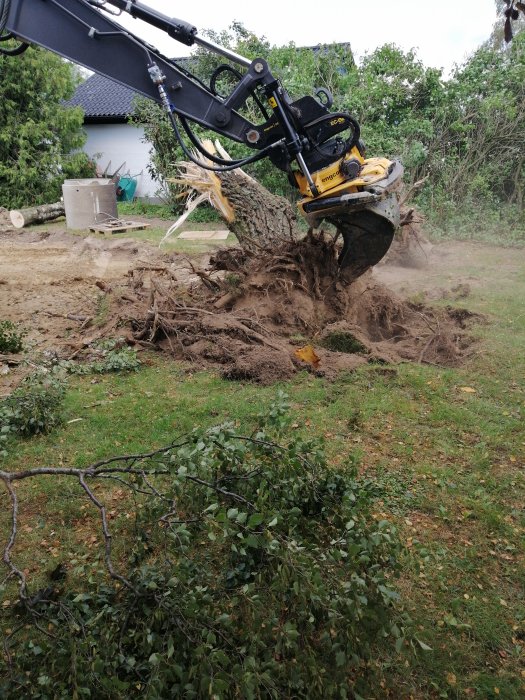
point(48, 285)
point(243, 314)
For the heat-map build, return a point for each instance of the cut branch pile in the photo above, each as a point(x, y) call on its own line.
point(137, 472)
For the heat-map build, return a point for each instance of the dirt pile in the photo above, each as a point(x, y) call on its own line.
point(249, 314)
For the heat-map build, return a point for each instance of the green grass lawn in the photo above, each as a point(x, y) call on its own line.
point(445, 446)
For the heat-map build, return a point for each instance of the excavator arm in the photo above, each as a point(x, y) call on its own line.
point(320, 149)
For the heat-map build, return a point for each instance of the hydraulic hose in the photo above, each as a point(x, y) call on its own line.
point(5, 6)
point(232, 166)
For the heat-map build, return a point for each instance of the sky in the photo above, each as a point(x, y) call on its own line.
point(443, 32)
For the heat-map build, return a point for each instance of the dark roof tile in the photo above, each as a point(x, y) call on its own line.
point(101, 97)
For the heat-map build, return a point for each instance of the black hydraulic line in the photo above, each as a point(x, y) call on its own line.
point(188, 74)
point(349, 143)
point(16, 50)
point(5, 6)
point(198, 145)
point(237, 164)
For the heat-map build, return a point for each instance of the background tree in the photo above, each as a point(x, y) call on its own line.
point(40, 138)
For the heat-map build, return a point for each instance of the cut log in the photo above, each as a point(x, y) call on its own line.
point(36, 215)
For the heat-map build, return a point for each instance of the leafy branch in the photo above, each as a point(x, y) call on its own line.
point(254, 565)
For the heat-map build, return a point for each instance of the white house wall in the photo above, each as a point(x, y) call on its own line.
point(119, 143)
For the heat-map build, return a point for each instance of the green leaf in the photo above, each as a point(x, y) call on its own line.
point(423, 646)
point(255, 520)
point(340, 659)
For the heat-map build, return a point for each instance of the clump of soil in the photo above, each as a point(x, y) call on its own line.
point(254, 311)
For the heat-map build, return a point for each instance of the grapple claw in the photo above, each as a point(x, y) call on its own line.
point(367, 219)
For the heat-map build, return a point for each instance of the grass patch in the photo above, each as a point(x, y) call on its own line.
point(473, 220)
point(203, 214)
point(342, 341)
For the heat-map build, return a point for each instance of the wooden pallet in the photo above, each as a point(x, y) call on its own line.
point(119, 227)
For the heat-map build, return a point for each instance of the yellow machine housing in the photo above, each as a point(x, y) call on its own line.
point(364, 209)
point(333, 179)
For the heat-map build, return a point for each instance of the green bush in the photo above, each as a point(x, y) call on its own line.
point(41, 138)
point(270, 579)
point(11, 337)
point(35, 407)
point(140, 208)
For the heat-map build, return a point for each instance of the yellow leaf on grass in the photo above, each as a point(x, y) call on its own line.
point(308, 354)
point(467, 389)
point(451, 678)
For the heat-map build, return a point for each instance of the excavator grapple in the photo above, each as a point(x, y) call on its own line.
point(364, 211)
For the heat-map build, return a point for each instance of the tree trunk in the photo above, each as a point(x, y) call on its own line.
point(261, 218)
point(36, 215)
point(257, 217)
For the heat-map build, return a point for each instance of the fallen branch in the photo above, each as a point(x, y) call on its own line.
point(69, 317)
point(125, 469)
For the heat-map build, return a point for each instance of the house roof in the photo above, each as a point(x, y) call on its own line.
point(103, 99)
